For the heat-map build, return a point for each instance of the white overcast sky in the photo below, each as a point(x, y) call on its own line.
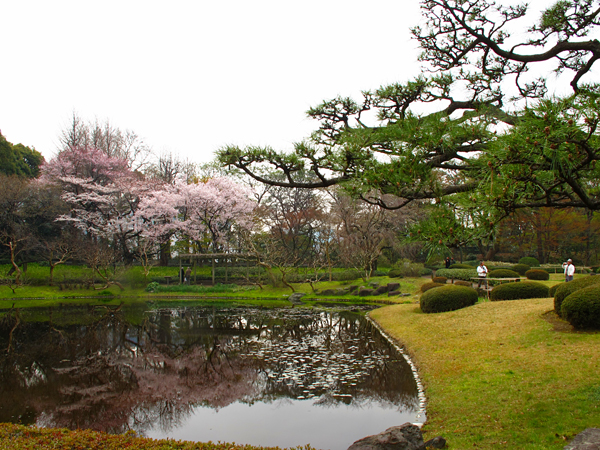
point(192, 76)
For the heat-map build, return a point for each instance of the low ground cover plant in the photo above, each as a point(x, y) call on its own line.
point(32, 438)
point(447, 298)
point(518, 291)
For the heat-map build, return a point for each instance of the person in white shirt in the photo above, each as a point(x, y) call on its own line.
point(569, 270)
point(482, 272)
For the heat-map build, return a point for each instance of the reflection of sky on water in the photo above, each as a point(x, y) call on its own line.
point(287, 423)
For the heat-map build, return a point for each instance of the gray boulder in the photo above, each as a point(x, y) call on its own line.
point(588, 439)
point(328, 292)
point(364, 292)
point(403, 437)
point(295, 298)
point(381, 290)
point(393, 286)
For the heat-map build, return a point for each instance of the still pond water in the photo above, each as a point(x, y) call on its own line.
point(282, 377)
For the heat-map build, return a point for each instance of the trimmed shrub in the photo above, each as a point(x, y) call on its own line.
point(431, 285)
point(503, 273)
point(448, 298)
point(530, 261)
point(441, 280)
point(463, 283)
point(460, 266)
point(521, 268)
point(457, 274)
point(518, 291)
point(582, 308)
point(565, 289)
point(537, 274)
point(552, 290)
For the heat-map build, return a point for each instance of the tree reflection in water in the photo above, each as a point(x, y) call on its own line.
point(116, 369)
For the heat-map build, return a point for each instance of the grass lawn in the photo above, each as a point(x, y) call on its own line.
point(501, 374)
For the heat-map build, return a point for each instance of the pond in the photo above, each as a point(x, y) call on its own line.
point(265, 377)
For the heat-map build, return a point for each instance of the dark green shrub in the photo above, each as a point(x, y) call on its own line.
point(582, 308)
point(457, 274)
point(460, 266)
point(395, 273)
point(565, 289)
point(425, 271)
point(521, 268)
point(519, 290)
point(448, 298)
point(431, 285)
point(552, 290)
point(537, 274)
point(411, 269)
point(503, 273)
point(441, 280)
point(530, 261)
point(463, 283)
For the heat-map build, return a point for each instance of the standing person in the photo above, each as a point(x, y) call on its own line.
point(569, 269)
point(448, 262)
point(188, 274)
point(482, 272)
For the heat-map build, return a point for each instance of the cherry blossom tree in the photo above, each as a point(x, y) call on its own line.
point(103, 194)
point(212, 210)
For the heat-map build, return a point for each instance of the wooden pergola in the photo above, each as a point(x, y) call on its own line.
point(227, 257)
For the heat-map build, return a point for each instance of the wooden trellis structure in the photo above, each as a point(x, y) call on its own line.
point(226, 257)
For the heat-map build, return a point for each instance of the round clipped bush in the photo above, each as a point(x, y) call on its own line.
point(441, 280)
point(582, 308)
point(460, 266)
point(430, 285)
point(537, 274)
point(521, 268)
point(518, 291)
point(530, 261)
point(552, 290)
point(463, 283)
point(503, 273)
point(565, 289)
point(448, 298)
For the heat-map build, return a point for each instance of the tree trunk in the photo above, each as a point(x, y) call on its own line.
point(165, 254)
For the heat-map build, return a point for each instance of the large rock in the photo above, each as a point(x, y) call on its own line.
point(393, 286)
point(295, 298)
point(381, 290)
point(364, 292)
point(588, 439)
point(403, 437)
